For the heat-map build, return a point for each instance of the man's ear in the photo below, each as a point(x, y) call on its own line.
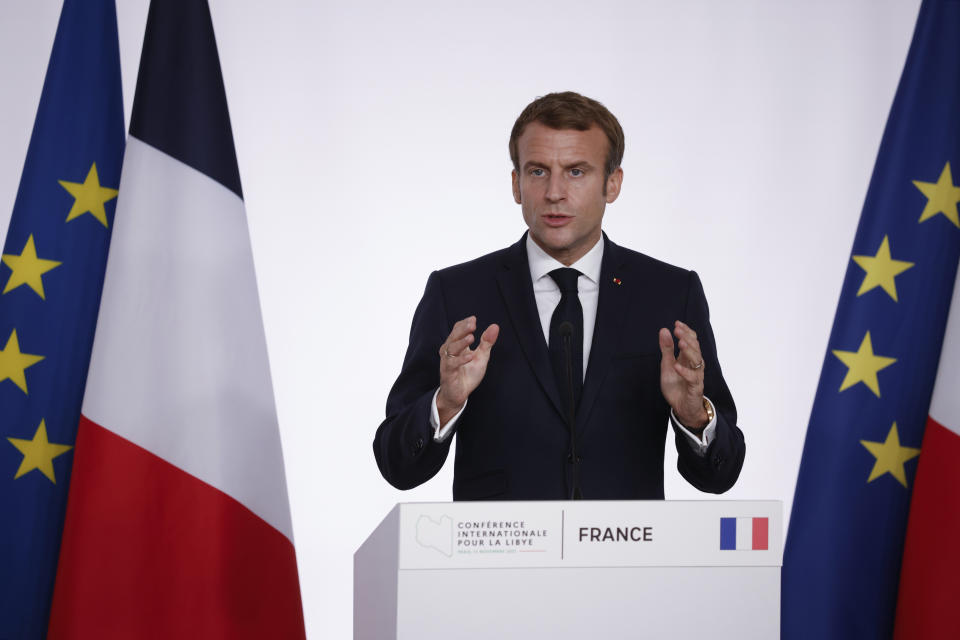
point(614, 181)
point(515, 179)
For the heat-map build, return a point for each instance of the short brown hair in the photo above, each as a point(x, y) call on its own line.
point(570, 110)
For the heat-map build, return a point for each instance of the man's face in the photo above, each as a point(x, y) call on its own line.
point(560, 188)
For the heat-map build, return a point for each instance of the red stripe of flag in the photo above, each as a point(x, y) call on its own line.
point(931, 557)
point(151, 551)
point(760, 533)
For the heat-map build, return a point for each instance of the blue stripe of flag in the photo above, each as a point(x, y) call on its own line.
point(728, 534)
point(180, 105)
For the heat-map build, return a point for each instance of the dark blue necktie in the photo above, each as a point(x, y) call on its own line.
point(568, 310)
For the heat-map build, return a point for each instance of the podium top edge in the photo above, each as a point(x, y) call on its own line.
point(588, 502)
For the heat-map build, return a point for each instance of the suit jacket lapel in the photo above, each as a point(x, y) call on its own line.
point(517, 291)
point(608, 330)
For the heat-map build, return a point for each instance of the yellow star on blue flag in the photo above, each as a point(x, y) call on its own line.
point(14, 363)
point(890, 456)
point(38, 453)
point(942, 197)
point(881, 270)
point(27, 268)
point(863, 365)
point(89, 196)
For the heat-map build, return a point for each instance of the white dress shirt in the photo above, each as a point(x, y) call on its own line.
point(547, 295)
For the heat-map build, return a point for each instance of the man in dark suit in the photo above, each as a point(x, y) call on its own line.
point(576, 375)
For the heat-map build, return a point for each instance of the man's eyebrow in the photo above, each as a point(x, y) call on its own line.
point(529, 164)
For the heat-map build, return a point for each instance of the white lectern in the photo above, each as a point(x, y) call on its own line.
point(565, 570)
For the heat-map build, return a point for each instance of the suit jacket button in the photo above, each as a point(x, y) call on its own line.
point(717, 461)
point(417, 447)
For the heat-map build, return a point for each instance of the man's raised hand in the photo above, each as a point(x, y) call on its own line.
point(462, 368)
point(681, 378)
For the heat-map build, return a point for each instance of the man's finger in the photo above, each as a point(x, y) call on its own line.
point(449, 365)
point(666, 345)
point(692, 376)
point(688, 338)
point(457, 346)
point(686, 329)
point(460, 329)
point(690, 355)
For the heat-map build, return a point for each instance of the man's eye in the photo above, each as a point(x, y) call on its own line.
point(537, 172)
point(576, 173)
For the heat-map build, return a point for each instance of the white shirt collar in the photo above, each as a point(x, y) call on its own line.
point(542, 264)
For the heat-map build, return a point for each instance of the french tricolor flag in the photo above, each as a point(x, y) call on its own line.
point(178, 524)
point(738, 534)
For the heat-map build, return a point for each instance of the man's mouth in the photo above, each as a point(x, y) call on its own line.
point(556, 219)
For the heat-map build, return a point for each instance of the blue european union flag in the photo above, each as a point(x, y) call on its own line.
point(842, 559)
point(50, 280)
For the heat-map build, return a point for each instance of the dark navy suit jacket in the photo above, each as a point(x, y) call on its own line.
point(512, 438)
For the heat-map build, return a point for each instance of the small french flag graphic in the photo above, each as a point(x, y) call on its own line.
point(737, 534)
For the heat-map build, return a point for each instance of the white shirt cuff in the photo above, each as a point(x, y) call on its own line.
point(699, 444)
point(439, 435)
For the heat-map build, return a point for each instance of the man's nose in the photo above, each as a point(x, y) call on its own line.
point(556, 188)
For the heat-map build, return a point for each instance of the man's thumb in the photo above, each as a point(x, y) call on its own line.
point(489, 337)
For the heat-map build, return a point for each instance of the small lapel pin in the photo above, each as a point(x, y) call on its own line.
point(617, 281)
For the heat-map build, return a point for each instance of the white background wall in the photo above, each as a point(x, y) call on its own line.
point(372, 141)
